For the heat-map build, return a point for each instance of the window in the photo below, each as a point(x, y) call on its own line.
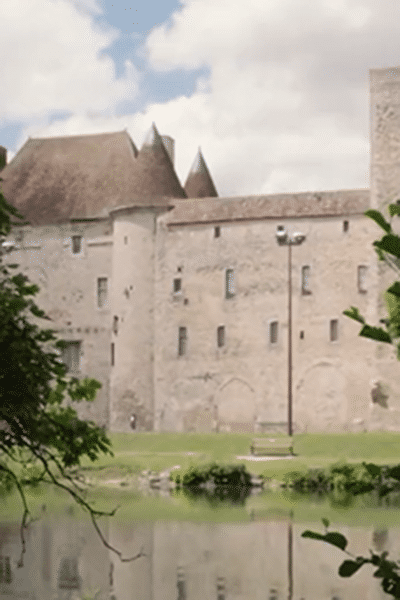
point(5, 570)
point(221, 588)
point(334, 330)
point(302, 335)
point(125, 239)
point(345, 225)
point(273, 332)
point(68, 576)
point(181, 583)
point(217, 231)
point(182, 341)
point(305, 281)
point(221, 336)
point(361, 278)
point(115, 325)
point(112, 354)
point(71, 356)
point(76, 244)
point(229, 283)
point(102, 292)
point(177, 285)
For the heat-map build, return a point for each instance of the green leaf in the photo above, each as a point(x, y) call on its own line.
point(394, 209)
point(372, 469)
point(379, 219)
point(325, 522)
point(394, 289)
point(313, 535)
point(375, 333)
point(349, 567)
point(394, 472)
point(354, 314)
point(336, 539)
point(389, 243)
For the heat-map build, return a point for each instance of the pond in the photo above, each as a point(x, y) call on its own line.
point(253, 551)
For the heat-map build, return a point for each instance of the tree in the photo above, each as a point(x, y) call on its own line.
point(40, 440)
point(388, 250)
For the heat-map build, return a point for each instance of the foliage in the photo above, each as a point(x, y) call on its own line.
point(387, 570)
point(41, 439)
point(382, 478)
point(354, 478)
point(388, 251)
point(216, 475)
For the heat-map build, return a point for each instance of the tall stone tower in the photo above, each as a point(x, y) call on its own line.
point(385, 189)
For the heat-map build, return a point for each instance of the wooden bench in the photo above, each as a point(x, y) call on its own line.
point(267, 446)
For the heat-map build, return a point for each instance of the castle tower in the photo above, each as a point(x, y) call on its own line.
point(385, 189)
point(199, 183)
point(132, 313)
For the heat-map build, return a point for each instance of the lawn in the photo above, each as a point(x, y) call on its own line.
point(135, 452)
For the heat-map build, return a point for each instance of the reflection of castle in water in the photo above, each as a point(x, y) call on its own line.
point(65, 560)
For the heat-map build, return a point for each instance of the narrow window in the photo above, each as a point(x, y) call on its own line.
point(305, 281)
point(229, 283)
point(5, 570)
point(181, 584)
point(71, 356)
point(115, 325)
point(68, 576)
point(125, 239)
point(345, 225)
point(76, 244)
point(221, 336)
point(273, 332)
point(361, 278)
point(334, 330)
point(112, 354)
point(217, 231)
point(182, 341)
point(220, 588)
point(177, 285)
point(102, 292)
point(302, 335)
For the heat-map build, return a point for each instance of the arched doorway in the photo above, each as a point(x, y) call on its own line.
point(319, 402)
point(235, 406)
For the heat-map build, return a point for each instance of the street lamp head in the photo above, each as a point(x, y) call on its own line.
point(299, 237)
point(281, 234)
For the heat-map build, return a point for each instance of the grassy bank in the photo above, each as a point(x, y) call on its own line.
point(135, 452)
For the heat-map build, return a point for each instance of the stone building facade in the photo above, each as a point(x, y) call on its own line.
point(176, 299)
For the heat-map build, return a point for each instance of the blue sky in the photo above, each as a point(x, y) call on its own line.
point(276, 92)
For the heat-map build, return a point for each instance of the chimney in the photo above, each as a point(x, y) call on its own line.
point(3, 157)
point(169, 144)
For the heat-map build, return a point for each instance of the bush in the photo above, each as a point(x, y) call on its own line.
point(215, 475)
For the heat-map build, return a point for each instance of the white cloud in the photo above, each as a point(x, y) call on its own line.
point(285, 107)
point(54, 60)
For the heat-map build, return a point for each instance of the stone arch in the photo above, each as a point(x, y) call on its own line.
point(320, 402)
point(235, 404)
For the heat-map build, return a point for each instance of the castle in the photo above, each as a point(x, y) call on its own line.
point(176, 299)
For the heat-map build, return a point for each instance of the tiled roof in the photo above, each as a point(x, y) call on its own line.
point(199, 183)
point(303, 204)
point(51, 180)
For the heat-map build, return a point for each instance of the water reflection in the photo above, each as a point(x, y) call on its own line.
point(263, 559)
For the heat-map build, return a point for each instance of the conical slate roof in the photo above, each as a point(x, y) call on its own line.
point(51, 180)
point(199, 183)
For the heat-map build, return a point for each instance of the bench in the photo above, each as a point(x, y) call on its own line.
point(267, 446)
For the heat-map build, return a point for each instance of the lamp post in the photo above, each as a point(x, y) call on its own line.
point(285, 240)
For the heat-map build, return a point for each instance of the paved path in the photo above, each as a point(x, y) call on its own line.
point(264, 457)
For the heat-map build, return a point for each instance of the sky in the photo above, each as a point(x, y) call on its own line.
point(275, 92)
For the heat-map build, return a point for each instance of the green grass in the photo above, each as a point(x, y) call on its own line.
point(135, 452)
